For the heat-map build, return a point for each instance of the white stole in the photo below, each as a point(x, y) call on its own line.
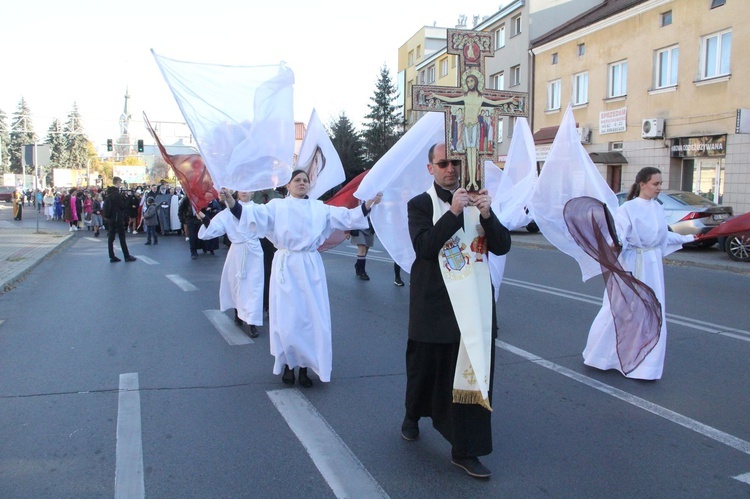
point(465, 271)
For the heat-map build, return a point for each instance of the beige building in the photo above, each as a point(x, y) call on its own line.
point(654, 83)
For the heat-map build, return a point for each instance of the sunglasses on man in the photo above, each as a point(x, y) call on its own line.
point(443, 163)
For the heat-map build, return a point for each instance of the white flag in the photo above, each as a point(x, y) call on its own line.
point(241, 117)
point(319, 159)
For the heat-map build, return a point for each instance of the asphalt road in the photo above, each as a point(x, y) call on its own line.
point(115, 381)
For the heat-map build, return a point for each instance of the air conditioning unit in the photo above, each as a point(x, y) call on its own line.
point(652, 128)
point(584, 134)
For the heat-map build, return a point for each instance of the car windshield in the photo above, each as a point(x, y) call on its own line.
point(690, 199)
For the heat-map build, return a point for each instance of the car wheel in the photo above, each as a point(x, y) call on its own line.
point(738, 248)
point(532, 227)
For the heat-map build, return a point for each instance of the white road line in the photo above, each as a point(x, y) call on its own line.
point(228, 329)
point(690, 424)
point(92, 239)
point(354, 255)
point(594, 300)
point(146, 260)
point(745, 477)
point(340, 468)
point(181, 282)
point(129, 461)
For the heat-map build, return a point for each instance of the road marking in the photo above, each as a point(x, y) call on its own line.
point(228, 329)
point(129, 461)
point(354, 255)
point(745, 477)
point(92, 239)
point(146, 260)
point(690, 424)
point(340, 468)
point(594, 300)
point(181, 282)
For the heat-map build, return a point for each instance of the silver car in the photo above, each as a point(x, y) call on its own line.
point(689, 213)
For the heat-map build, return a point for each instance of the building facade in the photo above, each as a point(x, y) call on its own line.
point(654, 83)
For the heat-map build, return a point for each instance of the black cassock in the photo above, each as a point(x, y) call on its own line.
point(163, 202)
point(434, 336)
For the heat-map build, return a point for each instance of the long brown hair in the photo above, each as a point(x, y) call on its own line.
point(643, 176)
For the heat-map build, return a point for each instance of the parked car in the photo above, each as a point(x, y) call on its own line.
point(6, 193)
point(734, 237)
point(690, 214)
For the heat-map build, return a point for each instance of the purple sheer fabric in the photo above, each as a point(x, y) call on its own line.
point(636, 310)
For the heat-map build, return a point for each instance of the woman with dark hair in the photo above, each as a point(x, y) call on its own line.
point(71, 209)
point(645, 238)
point(300, 313)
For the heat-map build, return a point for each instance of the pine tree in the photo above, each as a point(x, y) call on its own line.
point(4, 144)
point(349, 146)
point(76, 142)
point(56, 143)
point(22, 133)
point(385, 125)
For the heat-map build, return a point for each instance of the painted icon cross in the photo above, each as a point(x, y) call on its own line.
point(471, 110)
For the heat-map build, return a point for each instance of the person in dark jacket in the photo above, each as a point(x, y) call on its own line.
point(114, 208)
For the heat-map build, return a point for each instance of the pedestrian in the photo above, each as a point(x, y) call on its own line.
point(115, 214)
point(645, 237)
point(397, 275)
point(49, 204)
point(18, 205)
point(88, 209)
point(300, 313)
point(151, 221)
point(96, 213)
point(71, 209)
point(263, 197)
point(192, 223)
point(363, 239)
point(241, 285)
point(452, 322)
point(59, 206)
point(39, 201)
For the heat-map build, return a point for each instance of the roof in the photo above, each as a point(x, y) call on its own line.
point(606, 9)
point(545, 135)
point(608, 158)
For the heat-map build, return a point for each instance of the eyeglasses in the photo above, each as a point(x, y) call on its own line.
point(443, 163)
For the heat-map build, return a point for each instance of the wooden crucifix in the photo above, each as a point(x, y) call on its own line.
point(471, 111)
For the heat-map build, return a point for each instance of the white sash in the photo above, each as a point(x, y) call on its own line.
point(463, 265)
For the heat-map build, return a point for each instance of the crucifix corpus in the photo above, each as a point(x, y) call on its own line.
point(471, 111)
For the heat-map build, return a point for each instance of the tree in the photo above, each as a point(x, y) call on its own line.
point(22, 133)
point(348, 145)
point(76, 142)
point(4, 143)
point(384, 126)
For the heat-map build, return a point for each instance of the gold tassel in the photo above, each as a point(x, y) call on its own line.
point(471, 397)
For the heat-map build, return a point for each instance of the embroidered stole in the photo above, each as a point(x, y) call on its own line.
point(465, 270)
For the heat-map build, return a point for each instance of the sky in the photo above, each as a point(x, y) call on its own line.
point(89, 51)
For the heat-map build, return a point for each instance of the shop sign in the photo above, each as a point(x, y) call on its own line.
point(699, 147)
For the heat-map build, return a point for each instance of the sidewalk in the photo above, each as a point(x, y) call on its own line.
point(22, 247)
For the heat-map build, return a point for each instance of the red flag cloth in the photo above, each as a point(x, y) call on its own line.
point(734, 226)
point(344, 198)
point(191, 171)
point(636, 310)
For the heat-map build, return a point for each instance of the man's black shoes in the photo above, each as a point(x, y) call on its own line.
point(398, 282)
point(253, 333)
point(114, 259)
point(472, 466)
point(304, 380)
point(410, 428)
point(288, 376)
point(130, 258)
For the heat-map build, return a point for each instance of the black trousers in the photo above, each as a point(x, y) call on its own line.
point(116, 227)
point(429, 393)
point(268, 251)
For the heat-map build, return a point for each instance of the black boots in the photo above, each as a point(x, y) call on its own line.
point(359, 268)
point(288, 377)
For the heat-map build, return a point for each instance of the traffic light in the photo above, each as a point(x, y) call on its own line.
point(109, 144)
point(140, 145)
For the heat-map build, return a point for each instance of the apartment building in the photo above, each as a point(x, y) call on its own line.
point(653, 83)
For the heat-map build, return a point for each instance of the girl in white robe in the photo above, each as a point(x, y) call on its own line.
point(642, 229)
point(299, 309)
point(241, 284)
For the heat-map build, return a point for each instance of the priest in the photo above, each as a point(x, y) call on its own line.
point(452, 324)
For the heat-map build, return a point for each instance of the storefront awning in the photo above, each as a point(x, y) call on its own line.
point(608, 158)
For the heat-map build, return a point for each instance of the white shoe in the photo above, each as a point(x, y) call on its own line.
point(187, 239)
point(70, 229)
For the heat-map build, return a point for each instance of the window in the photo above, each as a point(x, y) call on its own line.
point(419, 51)
point(554, 58)
point(580, 88)
point(409, 87)
point(666, 67)
point(715, 50)
point(411, 58)
point(498, 81)
point(515, 75)
point(553, 95)
point(581, 49)
point(511, 126)
point(500, 122)
point(717, 3)
point(515, 26)
point(617, 79)
point(422, 77)
point(665, 18)
point(444, 67)
point(500, 37)
point(431, 74)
